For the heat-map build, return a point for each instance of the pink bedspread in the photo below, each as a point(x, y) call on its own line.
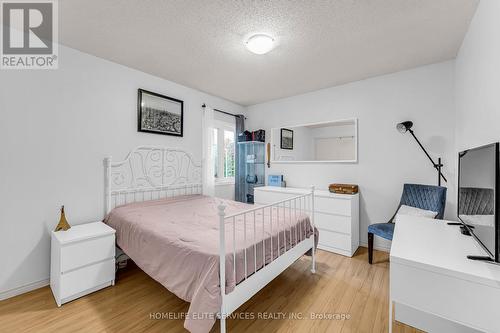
point(176, 242)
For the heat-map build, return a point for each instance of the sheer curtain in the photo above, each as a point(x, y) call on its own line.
point(239, 167)
point(208, 154)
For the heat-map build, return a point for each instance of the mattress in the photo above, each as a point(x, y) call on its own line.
point(176, 242)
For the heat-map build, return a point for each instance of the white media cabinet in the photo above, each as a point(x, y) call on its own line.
point(335, 215)
point(434, 287)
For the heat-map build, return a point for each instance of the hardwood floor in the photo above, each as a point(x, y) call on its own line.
point(348, 286)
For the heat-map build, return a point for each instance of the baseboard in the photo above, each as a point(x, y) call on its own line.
point(23, 289)
point(376, 247)
point(428, 322)
point(335, 250)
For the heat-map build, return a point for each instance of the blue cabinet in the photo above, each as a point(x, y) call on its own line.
point(251, 169)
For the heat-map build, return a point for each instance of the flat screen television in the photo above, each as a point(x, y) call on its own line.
point(478, 197)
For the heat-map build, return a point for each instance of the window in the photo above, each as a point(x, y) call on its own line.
point(223, 150)
point(228, 154)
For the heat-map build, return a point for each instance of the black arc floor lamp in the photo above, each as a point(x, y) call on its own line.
point(406, 126)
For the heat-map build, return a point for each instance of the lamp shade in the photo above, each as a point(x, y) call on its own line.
point(404, 126)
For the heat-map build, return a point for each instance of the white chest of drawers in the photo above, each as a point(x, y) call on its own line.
point(335, 215)
point(82, 261)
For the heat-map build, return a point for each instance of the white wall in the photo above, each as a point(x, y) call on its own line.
point(387, 159)
point(478, 79)
point(56, 128)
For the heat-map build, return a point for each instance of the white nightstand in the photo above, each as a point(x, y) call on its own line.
point(82, 261)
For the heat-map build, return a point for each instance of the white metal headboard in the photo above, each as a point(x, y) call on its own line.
point(149, 173)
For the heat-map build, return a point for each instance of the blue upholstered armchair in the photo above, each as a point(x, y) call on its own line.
point(420, 196)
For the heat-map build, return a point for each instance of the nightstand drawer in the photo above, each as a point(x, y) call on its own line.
point(82, 253)
point(338, 206)
point(88, 277)
point(333, 222)
point(334, 240)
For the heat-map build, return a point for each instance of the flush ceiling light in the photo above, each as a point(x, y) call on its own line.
point(260, 44)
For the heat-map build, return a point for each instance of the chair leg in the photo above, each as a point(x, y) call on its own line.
point(370, 248)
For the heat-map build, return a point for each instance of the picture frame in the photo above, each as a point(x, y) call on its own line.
point(286, 139)
point(159, 114)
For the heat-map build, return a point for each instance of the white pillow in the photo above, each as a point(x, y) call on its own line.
point(413, 211)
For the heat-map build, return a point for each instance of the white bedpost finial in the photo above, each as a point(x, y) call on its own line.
point(107, 187)
point(222, 265)
point(221, 207)
point(313, 240)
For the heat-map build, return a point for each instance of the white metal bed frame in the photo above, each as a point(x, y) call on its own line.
point(149, 173)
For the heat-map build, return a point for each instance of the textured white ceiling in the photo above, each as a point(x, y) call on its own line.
point(200, 43)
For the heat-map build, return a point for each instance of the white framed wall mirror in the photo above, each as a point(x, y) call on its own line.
point(323, 142)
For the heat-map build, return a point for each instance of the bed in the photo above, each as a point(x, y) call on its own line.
point(214, 253)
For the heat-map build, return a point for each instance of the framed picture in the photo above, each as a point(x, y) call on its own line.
point(159, 114)
point(286, 139)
